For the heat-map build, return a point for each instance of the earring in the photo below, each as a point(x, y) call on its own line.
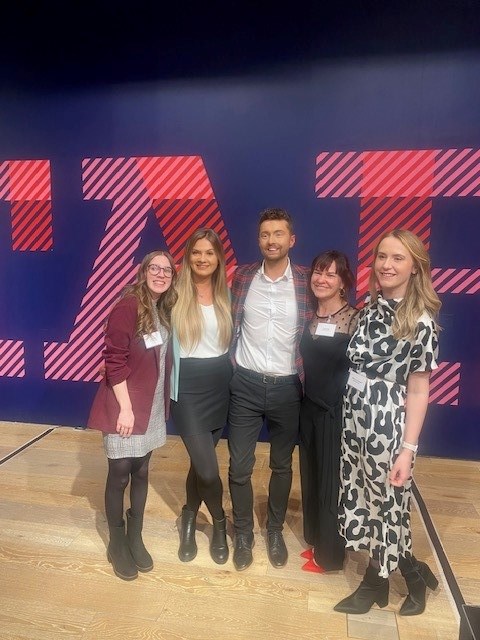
point(342, 292)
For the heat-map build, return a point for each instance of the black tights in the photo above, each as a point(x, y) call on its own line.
point(120, 472)
point(203, 480)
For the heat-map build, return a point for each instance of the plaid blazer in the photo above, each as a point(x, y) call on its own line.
point(241, 283)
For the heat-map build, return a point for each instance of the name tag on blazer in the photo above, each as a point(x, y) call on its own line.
point(152, 339)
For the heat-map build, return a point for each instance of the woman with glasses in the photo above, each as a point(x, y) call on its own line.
point(201, 375)
point(131, 404)
point(323, 348)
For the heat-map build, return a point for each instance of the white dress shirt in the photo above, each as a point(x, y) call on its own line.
point(267, 339)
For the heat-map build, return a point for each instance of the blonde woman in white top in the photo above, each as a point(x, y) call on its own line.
point(201, 375)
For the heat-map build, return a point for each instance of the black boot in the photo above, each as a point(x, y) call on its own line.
point(140, 555)
point(188, 547)
point(373, 589)
point(118, 553)
point(218, 543)
point(418, 577)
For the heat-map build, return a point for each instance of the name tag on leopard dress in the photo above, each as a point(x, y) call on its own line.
point(357, 380)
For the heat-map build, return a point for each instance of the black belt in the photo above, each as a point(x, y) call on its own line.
point(266, 379)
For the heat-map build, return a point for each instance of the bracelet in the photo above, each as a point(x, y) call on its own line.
point(410, 447)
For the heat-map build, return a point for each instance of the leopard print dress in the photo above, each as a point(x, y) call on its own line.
point(374, 515)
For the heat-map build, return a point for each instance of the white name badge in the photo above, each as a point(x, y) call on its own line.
point(357, 380)
point(152, 339)
point(325, 329)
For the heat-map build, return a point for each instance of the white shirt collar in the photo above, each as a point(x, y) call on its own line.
point(287, 274)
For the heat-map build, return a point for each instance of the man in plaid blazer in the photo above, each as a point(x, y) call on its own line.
point(269, 307)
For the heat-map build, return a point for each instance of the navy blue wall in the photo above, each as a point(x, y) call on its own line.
point(258, 136)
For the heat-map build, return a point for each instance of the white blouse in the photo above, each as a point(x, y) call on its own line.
point(208, 347)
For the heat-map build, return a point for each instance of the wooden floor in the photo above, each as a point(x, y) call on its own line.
point(55, 581)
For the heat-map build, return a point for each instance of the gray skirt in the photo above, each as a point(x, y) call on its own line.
point(203, 395)
point(137, 446)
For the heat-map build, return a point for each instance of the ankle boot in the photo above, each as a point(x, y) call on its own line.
point(118, 553)
point(418, 577)
point(373, 589)
point(188, 547)
point(140, 555)
point(218, 543)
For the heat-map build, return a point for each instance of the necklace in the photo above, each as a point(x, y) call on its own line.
point(331, 315)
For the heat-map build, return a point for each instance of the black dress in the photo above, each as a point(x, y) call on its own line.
point(326, 372)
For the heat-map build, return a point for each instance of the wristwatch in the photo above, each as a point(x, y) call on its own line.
point(411, 447)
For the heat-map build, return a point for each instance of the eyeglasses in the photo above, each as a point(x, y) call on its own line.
point(155, 270)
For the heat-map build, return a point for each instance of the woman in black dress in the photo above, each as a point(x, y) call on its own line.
point(323, 348)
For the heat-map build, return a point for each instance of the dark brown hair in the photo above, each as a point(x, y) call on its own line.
point(324, 260)
point(276, 214)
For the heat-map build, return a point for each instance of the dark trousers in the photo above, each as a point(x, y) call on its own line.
point(253, 400)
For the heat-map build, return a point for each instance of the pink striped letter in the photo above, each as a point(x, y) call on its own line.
point(25, 184)
point(178, 190)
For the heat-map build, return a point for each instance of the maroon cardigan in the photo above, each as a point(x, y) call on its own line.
point(127, 358)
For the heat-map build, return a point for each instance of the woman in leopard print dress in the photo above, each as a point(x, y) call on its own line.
point(392, 353)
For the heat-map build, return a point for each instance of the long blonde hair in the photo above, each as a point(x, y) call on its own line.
point(187, 317)
point(420, 295)
point(145, 317)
